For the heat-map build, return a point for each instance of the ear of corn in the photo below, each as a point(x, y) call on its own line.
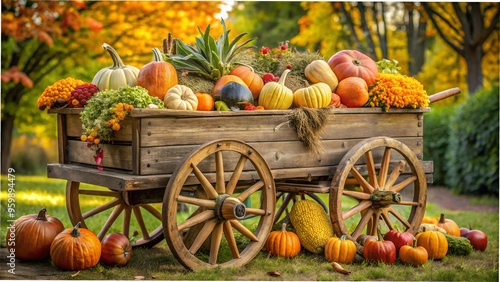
point(312, 225)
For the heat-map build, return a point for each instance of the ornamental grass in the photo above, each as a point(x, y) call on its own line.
point(397, 91)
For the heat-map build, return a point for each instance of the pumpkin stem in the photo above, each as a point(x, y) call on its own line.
point(75, 232)
point(283, 227)
point(442, 219)
point(157, 55)
point(117, 61)
point(41, 215)
point(281, 81)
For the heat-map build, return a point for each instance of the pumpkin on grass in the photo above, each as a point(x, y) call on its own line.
point(399, 238)
point(75, 249)
point(434, 242)
point(449, 225)
point(379, 251)
point(413, 254)
point(282, 243)
point(157, 76)
point(32, 235)
point(340, 250)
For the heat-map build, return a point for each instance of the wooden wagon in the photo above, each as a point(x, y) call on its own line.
point(205, 179)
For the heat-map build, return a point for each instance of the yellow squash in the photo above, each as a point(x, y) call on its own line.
point(275, 95)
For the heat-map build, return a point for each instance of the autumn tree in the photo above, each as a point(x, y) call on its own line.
point(43, 38)
point(466, 27)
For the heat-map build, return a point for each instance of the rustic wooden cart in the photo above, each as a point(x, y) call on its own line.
point(205, 179)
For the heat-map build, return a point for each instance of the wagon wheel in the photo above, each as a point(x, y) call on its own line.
point(214, 231)
point(386, 199)
point(105, 211)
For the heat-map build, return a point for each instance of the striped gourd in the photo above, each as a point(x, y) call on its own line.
point(312, 225)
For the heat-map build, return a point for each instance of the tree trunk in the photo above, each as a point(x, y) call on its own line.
point(473, 57)
point(416, 39)
point(7, 127)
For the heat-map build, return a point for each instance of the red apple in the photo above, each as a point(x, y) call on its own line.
point(399, 238)
point(116, 249)
point(477, 239)
point(464, 231)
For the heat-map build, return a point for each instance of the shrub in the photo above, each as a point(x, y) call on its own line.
point(472, 157)
point(436, 131)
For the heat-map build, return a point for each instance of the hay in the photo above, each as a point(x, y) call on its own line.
point(309, 124)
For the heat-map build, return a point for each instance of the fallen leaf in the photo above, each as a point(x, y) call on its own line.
point(139, 277)
point(75, 274)
point(337, 267)
point(273, 273)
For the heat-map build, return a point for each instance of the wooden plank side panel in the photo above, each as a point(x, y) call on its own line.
point(278, 155)
point(115, 156)
point(74, 128)
point(167, 131)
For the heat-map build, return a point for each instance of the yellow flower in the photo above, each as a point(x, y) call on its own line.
point(398, 91)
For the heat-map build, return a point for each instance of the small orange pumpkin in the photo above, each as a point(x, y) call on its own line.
point(157, 76)
point(449, 225)
point(340, 250)
point(75, 249)
point(253, 81)
point(282, 243)
point(414, 255)
point(205, 102)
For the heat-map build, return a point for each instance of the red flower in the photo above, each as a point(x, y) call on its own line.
point(265, 50)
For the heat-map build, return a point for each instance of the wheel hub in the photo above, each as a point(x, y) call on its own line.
point(383, 198)
point(227, 208)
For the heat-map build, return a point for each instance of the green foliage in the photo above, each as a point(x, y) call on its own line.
point(459, 246)
point(472, 157)
point(436, 139)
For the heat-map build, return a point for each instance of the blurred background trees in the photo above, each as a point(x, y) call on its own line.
point(443, 45)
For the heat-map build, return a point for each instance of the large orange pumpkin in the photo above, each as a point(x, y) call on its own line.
point(31, 235)
point(75, 249)
point(353, 92)
point(434, 242)
point(253, 81)
point(157, 76)
point(352, 63)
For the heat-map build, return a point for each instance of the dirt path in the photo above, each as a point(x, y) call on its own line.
point(46, 271)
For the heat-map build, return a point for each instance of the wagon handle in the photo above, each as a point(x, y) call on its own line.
point(444, 94)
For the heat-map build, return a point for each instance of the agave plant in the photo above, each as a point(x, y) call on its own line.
point(208, 57)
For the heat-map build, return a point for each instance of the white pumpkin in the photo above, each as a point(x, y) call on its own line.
point(180, 97)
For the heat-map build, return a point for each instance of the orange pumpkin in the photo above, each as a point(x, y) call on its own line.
point(449, 225)
point(352, 63)
point(223, 80)
point(157, 76)
point(353, 92)
point(413, 254)
point(282, 243)
point(434, 242)
point(205, 102)
point(340, 250)
point(253, 81)
point(75, 249)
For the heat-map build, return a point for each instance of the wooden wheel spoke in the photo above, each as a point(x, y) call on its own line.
point(231, 241)
point(362, 223)
point(140, 221)
point(210, 204)
point(407, 203)
point(156, 213)
point(99, 193)
point(367, 187)
point(399, 217)
point(356, 195)
point(243, 230)
point(394, 175)
point(403, 184)
point(250, 190)
point(357, 208)
point(387, 219)
point(375, 223)
point(102, 208)
point(205, 184)
point(111, 219)
point(384, 167)
point(372, 175)
point(196, 219)
point(207, 229)
point(231, 185)
point(126, 221)
point(255, 211)
point(220, 183)
point(215, 243)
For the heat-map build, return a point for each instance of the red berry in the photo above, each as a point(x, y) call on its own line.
point(284, 47)
point(265, 50)
point(289, 66)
